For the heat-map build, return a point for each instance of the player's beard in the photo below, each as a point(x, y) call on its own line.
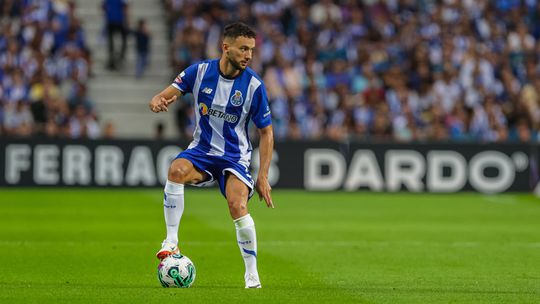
point(235, 64)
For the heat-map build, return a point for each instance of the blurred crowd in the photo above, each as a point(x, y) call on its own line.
point(404, 70)
point(44, 68)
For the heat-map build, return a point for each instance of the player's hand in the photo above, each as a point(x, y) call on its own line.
point(263, 188)
point(160, 103)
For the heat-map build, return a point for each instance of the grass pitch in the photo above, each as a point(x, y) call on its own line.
point(98, 246)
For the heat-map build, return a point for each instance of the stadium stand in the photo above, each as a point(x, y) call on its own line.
point(44, 68)
point(403, 70)
point(54, 77)
point(121, 98)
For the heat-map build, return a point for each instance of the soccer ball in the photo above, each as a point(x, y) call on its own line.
point(176, 271)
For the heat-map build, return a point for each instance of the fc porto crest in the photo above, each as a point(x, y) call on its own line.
point(237, 99)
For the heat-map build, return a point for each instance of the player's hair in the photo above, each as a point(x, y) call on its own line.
point(237, 29)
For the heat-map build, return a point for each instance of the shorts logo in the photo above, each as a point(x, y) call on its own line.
point(237, 99)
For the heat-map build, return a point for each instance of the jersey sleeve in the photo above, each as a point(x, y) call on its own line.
point(260, 110)
point(186, 79)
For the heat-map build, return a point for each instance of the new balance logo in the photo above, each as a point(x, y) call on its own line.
point(207, 90)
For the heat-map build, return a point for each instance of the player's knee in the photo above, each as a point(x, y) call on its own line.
point(236, 206)
point(178, 174)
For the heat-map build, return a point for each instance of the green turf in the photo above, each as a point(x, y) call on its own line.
point(97, 246)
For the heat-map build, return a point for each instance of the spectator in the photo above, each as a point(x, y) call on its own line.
point(142, 37)
point(18, 119)
point(117, 22)
point(80, 98)
point(83, 124)
point(109, 131)
point(160, 131)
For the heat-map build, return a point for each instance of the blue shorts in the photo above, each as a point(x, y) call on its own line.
point(216, 168)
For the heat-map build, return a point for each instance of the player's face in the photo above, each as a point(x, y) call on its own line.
point(240, 52)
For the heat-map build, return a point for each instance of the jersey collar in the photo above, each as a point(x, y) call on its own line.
point(228, 77)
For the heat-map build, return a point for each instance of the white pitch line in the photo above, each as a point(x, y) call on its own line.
point(498, 199)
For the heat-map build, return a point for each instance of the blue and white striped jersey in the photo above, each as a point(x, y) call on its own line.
point(224, 107)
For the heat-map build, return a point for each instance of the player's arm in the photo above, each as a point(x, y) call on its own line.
point(266, 147)
point(161, 101)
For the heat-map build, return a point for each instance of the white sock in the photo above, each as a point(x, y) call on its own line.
point(247, 241)
point(173, 206)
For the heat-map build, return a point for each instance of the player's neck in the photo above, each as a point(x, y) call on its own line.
point(227, 70)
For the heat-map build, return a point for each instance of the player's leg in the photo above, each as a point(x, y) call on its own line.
point(123, 33)
point(181, 171)
point(237, 194)
point(110, 46)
